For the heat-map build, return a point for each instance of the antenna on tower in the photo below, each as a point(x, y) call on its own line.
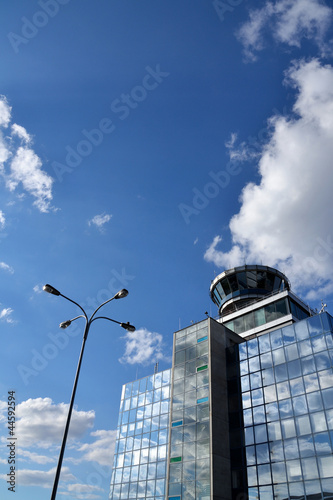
point(323, 306)
point(156, 368)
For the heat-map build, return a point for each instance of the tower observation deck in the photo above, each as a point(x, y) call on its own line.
point(244, 285)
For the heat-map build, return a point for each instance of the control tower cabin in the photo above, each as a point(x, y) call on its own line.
point(256, 299)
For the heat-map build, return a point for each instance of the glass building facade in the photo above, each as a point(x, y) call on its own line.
point(282, 431)
point(189, 453)
point(139, 467)
point(237, 417)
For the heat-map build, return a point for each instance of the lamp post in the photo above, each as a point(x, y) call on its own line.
point(119, 295)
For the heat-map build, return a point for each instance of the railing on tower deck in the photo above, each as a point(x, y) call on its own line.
point(239, 307)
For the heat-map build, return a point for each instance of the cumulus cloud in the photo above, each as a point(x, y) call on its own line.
point(5, 112)
point(40, 422)
point(143, 347)
point(31, 456)
point(19, 164)
point(40, 425)
point(288, 21)
point(20, 132)
point(99, 221)
point(102, 449)
point(285, 220)
point(41, 478)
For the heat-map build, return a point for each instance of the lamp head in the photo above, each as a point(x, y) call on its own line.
point(121, 294)
point(128, 327)
point(65, 324)
point(50, 289)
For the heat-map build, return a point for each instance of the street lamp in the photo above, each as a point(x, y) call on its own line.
point(127, 326)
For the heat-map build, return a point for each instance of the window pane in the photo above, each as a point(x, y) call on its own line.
point(306, 447)
point(318, 422)
point(294, 470)
point(279, 472)
point(303, 425)
point(288, 428)
point(325, 465)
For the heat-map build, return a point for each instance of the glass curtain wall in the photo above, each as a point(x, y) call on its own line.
point(286, 380)
point(189, 462)
point(139, 468)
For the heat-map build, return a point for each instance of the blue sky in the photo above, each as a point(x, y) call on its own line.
point(148, 146)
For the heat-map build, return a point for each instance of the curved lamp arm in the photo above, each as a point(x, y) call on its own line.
point(126, 326)
point(119, 295)
point(53, 291)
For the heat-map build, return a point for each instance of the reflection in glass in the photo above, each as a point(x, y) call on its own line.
point(314, 401)
point(325, 465)
point(274, 431)
point(318, 422)
point(303, 425)
point(290, 449)
point(322, 444)
point(297, 386)
point(262, 453)
point(288, 428)
point(294, 472)
point(281, 373)
point(264, 474)
point(300, 406)
point(276, 449)
point(260, 432)
point(279, 472)
point(259, 414)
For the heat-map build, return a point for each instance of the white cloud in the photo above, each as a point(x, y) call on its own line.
point(40, 422)
point(5, 112)
point(34, 457)
point(19, 164)
point(143, 347)
point(2, 220)
point(285, 221)
point(3, 411)
point(101, 450)
point(26, 168)
point(21, 132)
point(5, 315)
point(40, 425)
point(38, 288)
point(84, 488)
point(288, 21)
point(6, 267)
point(41, 478)
point(239, 152)
point(100, 220)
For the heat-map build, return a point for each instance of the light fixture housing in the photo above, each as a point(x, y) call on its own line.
point(128, 327)
point(121, 294)
point(65, 324)
point(50, 289)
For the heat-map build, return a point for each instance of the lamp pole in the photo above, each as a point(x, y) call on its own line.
point(50, 289)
